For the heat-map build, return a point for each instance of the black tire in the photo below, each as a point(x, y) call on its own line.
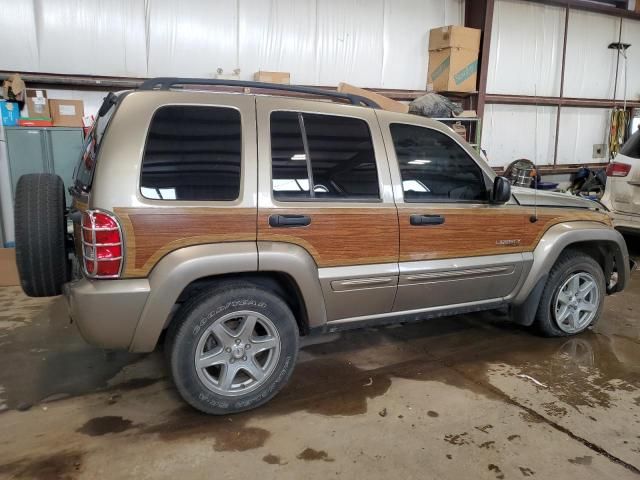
point(200, 312)
point(40, 226)
point(569, 263)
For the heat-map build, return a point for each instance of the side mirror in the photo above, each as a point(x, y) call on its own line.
point(501, 192)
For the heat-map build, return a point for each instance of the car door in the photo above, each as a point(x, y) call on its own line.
point(324, 187)
point(455, 246)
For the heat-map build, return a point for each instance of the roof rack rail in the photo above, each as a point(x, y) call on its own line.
point(165, 83)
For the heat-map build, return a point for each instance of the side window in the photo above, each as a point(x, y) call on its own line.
point(192, 153)
point(434, 168)
point(632, 147)
point(322, 157)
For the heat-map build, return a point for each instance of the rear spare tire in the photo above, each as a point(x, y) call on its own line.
point(40, 226)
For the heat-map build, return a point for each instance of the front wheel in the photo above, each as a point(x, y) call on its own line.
point(232, 349)
point(573, 297)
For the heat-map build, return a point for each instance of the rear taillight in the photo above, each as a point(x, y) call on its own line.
point(617, 169)
point(101, 244)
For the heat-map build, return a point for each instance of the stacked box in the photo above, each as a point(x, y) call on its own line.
point(453, 59)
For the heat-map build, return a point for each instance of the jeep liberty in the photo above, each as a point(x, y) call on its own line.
point(238, 222)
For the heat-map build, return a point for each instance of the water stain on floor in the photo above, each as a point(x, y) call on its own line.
point(59, 466)
point(273, 459)
point(229, 433)
point(55, 360)
point(309, 454)
point(586, 460)
point(99, 426)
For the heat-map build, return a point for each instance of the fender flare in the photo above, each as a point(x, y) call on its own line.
point(181, 267)
point(177, 270)
point(551, 245)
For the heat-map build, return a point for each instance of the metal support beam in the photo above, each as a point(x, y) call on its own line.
point(479, 14)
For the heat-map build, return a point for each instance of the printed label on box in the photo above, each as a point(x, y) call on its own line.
point(39, 101)
point(441, 68)
point(466, 72)
point(67, 110)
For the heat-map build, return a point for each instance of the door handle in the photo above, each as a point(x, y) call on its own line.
point(289, 220)
point(426, 219)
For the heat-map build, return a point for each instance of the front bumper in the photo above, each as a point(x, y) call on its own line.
point(107, 311)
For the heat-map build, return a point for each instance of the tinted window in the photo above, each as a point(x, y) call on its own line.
point(83, 174)
point(434, 167)
point(632, 147)
point(193, 153)
point(341, 157)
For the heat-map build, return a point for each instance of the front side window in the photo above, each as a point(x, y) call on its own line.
point(434, 168)
point(193, 153)
point(322, 157)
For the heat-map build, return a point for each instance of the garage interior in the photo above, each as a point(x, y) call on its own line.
point(547, 93)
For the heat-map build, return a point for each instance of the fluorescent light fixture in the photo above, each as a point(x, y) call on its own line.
point(299, 156)
point(419, 162)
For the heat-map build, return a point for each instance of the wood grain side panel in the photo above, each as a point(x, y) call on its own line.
point(339, 236)
point(151, 233)
point(478, 231)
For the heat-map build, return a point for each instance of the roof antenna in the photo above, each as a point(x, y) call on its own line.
point(534, 218)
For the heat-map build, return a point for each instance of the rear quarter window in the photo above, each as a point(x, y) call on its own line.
point(193, 153)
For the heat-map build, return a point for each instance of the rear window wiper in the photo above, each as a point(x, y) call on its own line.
point(108, 102)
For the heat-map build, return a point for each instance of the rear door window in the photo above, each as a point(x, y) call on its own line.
point(193, 153)
point(322, 157)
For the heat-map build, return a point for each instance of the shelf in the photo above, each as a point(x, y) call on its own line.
point(457, 119)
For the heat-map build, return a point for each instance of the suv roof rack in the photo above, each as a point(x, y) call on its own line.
point(165, 83)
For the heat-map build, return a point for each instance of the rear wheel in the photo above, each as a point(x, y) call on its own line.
point(573, 296)
point(232, 349)
point(40, 226)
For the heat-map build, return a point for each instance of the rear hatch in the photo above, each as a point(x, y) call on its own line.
point(623, 178)
point(83, 174)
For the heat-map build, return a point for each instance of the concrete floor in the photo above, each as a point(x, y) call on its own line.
point(463, 397)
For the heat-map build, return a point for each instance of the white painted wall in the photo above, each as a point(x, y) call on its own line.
point(526, 49)
point(511, 132)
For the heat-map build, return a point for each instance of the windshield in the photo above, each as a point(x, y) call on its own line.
point(83, 173)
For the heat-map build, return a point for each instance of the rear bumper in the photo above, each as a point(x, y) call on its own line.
point(107, 311)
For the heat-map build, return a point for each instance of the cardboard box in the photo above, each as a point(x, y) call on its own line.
point(37, 104)
point(453, 59)
point(454, 36)
point(272, 77)
point(385, 103)
point(9, 113)
point(67, 113)
point(8, 269)
point(452, 70)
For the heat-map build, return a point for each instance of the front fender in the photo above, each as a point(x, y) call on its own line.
point(553, 242)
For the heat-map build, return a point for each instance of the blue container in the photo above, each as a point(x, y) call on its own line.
point(9, 113)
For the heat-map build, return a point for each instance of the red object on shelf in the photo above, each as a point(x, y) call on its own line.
point(36, 122)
